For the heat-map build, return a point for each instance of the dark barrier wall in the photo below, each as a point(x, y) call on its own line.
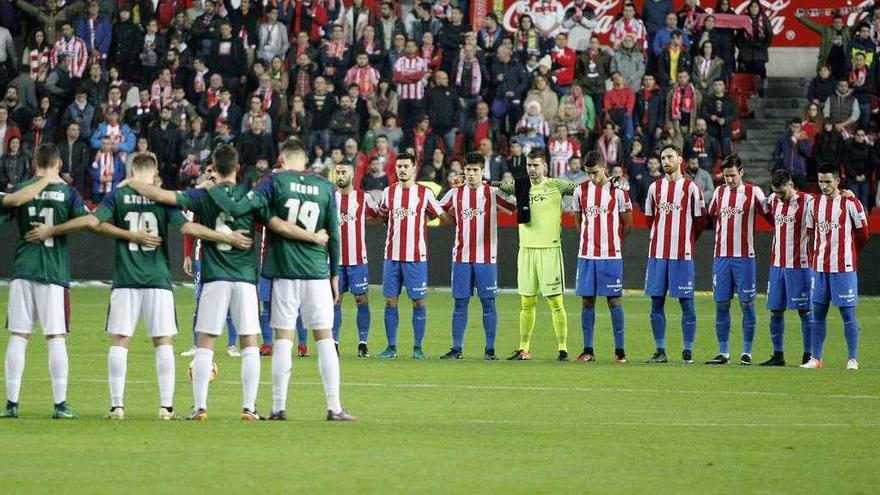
point(92, 257)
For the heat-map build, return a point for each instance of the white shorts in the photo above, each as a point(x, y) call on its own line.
point(312, 298)
point(155, 305)
point(220, 297)
point(31, 301)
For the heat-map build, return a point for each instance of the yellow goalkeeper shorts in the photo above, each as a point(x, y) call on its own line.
point(540, 271)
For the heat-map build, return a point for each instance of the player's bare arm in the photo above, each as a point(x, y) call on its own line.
point(238, 239)
point(28, 192)
point(297, 233)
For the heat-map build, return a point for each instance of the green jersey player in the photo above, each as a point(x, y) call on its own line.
point(141, 278)
point(304, 275)
point(229, 277)
point(41, 275)
point(539, 264)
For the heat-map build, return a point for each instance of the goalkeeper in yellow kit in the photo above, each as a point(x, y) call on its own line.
point(540, 269)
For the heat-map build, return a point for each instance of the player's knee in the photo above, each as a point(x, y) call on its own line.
point(361, 299)
point(119, 340)
point(746, 304)
point(614, 302)
point(322, 334)
point(248, 341)
point(528, 302)
point(51, 337)
point(588, 302)
point(555, 303)
point(777, 312)
point(418, 303)
point(391, 302)
point(157, 341)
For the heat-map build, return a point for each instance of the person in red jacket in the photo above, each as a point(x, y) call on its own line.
point(564, 61)
point(619, 104)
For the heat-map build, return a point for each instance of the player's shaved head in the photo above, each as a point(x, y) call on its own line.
point(144, 162)
point(47, 156)
point(225, 160)
point(293, 154)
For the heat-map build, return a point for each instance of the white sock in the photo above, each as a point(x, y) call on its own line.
point(250, 377)
point(328, 365)
point(117, 367)
point(203, 361)
point(58, 368)
point(165, 374)
point(282, 365)
point(15, 352)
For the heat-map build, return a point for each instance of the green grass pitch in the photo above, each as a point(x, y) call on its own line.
point(465, 426)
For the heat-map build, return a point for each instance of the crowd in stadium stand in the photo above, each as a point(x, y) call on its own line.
point(108, 79)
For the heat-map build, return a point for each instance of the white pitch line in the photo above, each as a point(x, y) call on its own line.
point(516, 388)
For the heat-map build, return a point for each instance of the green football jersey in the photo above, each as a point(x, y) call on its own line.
point(221, 261)
point(137, 266)
point(544, 229)
point(304, 199)
point(47, 261)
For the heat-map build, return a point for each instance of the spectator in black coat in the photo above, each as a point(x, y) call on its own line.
point(859, 162)
point(828, 147)
point(321, 105)
point(165, 141)
point(345, 122)
point(422, 141)
point(649, 111)
point(509, 82)
point(723, 43)
point(254, 144)
point(228, 58)
point(76, 156)
point(719, 111)
point(443, 107)
point(127, 42)
point(821, 87)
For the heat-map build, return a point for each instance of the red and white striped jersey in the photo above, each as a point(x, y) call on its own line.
point(674, 205)
point(354, 208)
point(833, 221)
point(560, 153)
point(76, 50)
point(476, 221)
point(790, 247)
point(601, 229)
point(409, 73)
point(407, 225)
point(734, 211)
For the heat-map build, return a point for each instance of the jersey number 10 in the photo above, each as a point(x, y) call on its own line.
point(138, 221)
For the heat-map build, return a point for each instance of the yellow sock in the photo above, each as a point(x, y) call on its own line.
point(560, 321)
point(526, 321)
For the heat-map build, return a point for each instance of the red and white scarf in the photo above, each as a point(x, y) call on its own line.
point(682, 100)
point(303, 85)
point(365, 77)
point(857, 76)
point(609, 148)
point(267, 100)
point(39, 60)
point(476, 76)
point(107, 165)
point(224, 110)
point(336, 49)
point(199, 81)
point(213, 95)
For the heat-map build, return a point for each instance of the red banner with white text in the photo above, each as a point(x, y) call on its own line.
point(789, 32)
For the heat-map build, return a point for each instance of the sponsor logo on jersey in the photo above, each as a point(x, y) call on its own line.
point(403, 212)
point(469, 213)
point(784, 219)
point(595, 211)
point(826, 227)
point(669, 208)
point(729, 211)
point(347, 218)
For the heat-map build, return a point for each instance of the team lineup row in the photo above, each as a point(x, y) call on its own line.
point(312, 224)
